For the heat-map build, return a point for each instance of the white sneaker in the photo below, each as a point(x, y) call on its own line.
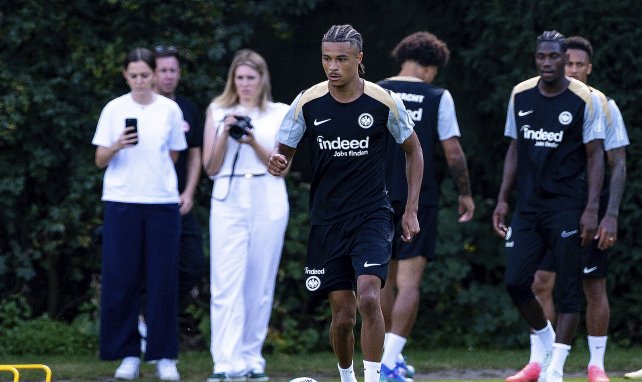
point(545, 364)
point(166, 370)
point(128, 369)
point(551, 376)
point(634, 375)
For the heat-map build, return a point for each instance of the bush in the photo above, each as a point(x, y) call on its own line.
point(13, 311)
point(46, 336)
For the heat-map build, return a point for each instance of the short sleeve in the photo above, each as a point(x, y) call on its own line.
point(594, 120)
point(103, 135)
point(510, 130)
point(400, 124)
point(447, 125)
point(292, 126)
point(177, 136)
point(616, 134)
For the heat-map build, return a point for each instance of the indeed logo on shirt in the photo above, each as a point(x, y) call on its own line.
point(543, 138)
point(339, 144)
point(416, 115)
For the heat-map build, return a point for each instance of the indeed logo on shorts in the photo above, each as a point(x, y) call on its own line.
point(543, 138)
point(309, 271)
point(342, 144)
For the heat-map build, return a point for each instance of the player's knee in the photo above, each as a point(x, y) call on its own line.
point(408, 293)
point(542, 288)
point(368, 303)
point(343, 323)
point(595, 289)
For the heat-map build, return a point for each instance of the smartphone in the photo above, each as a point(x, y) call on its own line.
point(129, 122)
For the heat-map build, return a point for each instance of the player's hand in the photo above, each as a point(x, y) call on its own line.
point(606, 232)
point(466, 208)
point(588, 226)
point(277, 164)
point(501, 210)
point(409, 225)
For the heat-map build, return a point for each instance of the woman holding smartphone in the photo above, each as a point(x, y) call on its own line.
point(137, 140)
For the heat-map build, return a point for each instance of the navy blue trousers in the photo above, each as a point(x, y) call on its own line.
point(140, 253)
point(192, 260)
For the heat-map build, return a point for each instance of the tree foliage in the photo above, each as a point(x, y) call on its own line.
point(60, 62)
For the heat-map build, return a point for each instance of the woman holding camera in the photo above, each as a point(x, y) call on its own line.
point(248, 217)
point(137, 139)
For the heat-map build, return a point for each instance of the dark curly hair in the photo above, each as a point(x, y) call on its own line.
point(424, 48)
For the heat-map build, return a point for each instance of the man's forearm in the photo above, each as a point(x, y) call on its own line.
point(193, 170)
point(459, 172)
point(508, 173)
point(617, 164)
point(414, 175)
point(595, 173)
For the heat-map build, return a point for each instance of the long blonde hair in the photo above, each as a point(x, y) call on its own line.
point(250, 58)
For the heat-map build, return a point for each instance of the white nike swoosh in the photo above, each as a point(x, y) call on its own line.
point(589, 270)
point(524, 113)
point(366, 264)
point(317, 123)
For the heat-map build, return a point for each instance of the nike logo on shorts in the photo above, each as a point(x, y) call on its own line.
point(589, 270)
point(317, 123)
point(366, 264)
point(566, 234)
point(524, 113)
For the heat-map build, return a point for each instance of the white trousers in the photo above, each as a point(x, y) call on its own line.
point(246, 239)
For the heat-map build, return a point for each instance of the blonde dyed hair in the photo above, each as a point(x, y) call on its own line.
point(250, 58)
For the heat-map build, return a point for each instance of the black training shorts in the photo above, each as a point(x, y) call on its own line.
point(340, 252)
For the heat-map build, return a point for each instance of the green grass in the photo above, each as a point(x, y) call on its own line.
point(431, 364)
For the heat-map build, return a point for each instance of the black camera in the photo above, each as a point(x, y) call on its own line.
point(240, 127)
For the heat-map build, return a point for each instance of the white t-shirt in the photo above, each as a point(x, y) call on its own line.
point(145, 172)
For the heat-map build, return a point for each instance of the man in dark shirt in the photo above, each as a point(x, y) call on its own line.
point(556, 149)
point(432, 109)
point(188, 169)
point(349, 121)
point(595, 258)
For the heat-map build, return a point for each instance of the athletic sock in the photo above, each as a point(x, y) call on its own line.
point(560, 352)
point(546, 336)
point(400, 357)
point(371, 371)
point(537, 350)
point(392, 349)
point(597, 347)
point(347, 375)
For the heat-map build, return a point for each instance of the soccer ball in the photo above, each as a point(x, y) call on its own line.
point(303, 379)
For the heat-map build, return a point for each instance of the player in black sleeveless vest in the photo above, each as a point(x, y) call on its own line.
point(420, 56)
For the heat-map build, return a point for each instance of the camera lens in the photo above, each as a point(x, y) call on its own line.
point(240, 127)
